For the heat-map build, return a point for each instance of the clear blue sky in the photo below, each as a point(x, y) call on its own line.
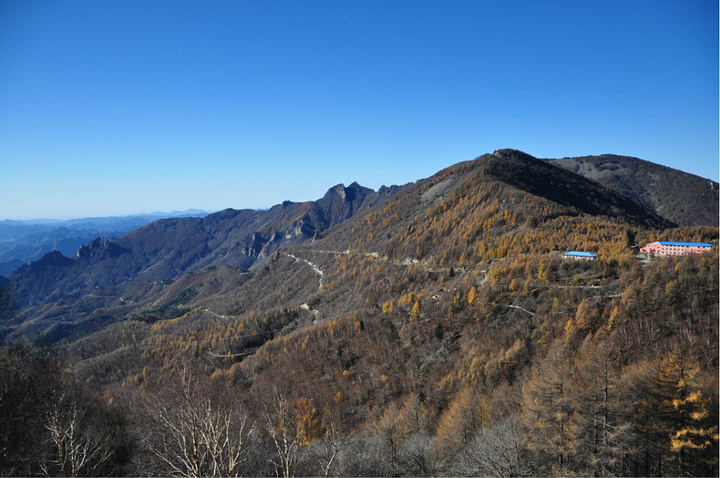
point(120, 107)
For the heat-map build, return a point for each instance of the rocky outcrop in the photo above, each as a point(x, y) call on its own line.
point(166, 249)
point(101, 248)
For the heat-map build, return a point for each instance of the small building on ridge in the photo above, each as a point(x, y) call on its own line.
point(580, 255)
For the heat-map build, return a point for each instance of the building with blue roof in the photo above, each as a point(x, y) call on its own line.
point(580, 255)
point(670, 248)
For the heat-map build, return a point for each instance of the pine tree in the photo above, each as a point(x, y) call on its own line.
point(309, 422)
point(675, 425)
point(416, 310)
point(459, 423)
point(598, 423)
point(547, 410)
point(692, 431)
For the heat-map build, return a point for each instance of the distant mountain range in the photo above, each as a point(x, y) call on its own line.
point(26, 241)
point(429, 329)
point(165, 249)
point(525, 189)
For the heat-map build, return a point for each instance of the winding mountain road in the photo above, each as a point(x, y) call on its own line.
point(312, 265)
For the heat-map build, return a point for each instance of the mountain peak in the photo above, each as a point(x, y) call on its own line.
point(508, 153)
point(52, 258)
point(100, 248)
point(683, 198)
point(562, 186)
point(348, 193)
point(340, 191)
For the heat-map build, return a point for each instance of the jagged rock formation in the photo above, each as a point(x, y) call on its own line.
point(166, 249)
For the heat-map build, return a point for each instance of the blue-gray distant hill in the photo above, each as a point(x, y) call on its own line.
point(22, 242)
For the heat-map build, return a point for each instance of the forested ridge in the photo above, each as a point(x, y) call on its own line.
point(438, 333)
point(682, 198)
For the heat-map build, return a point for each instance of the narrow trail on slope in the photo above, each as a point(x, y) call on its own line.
point(522, 308)
point(313, 266)
point(321, 275)
point(317, 271)
point(245, 353)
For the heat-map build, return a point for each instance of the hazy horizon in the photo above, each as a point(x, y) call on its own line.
point(170, 213)
point(119, 108)
point(49, 220)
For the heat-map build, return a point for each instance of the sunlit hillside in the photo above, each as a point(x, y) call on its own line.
point(434, 329)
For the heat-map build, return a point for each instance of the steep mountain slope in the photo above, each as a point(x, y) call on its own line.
point(438, 332)
point(162, 251)
point(501, 204)
point(532, 175)
point(167, 248)
point(508, 198)
point(679, 197)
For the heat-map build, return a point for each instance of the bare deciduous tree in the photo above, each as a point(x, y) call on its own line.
point(419, 456)
point(326, 448)
point(288, 431)
point(196, 435)
point(78, 449)
point(494, 451)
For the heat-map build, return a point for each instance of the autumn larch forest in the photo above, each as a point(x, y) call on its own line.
point(429, 329)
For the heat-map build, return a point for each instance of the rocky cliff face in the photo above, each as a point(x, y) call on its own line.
point(100, 248)
point(166, 249)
